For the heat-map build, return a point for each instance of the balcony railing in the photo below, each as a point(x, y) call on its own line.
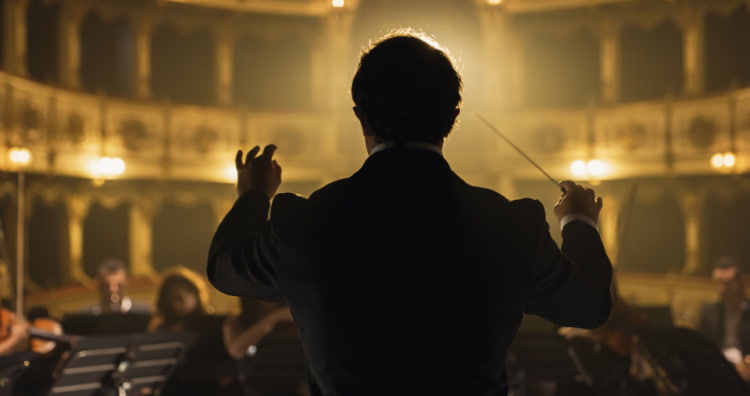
point(65, 130)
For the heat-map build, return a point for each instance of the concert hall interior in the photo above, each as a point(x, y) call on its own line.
point(120, 119)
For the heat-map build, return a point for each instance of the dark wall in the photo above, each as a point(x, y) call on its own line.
point(106, 234)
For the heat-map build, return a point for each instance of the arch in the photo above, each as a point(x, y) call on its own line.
point(561, 70)
point(183, 65)
point(651, 61)
point(42, 31)
point(48, 243)
point(181, 235)
point(726, 226)
point(656, 236)
point(107, 55)
point(273, 68)
point(727, 49)
point(105, 235)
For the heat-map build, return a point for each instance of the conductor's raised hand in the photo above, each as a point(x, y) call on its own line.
point(577, 199)
point(258, 172)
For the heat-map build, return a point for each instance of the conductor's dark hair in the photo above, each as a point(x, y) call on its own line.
point(406, 88)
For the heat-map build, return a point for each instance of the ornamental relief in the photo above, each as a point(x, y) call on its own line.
point(548, 138)
point(630, 136)
point(31, 123)
point(204, 139)
point(74, 128)
point(134, 134)
point(702, 132)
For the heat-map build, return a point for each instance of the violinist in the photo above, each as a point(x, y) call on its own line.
point(14, 336)
point(727, 322)
point(613, 352)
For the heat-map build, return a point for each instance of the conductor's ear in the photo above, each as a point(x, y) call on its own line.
point(362, 117)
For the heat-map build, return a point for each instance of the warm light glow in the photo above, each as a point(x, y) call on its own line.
point(717, 160)
point(230, 173)
point(337, 3)
point(597, 168)
point(578, 168)
point(494, 2)
point(723, 160)
point(729, 160)
point(594, 168)
point(19, 156)
point(107, 167)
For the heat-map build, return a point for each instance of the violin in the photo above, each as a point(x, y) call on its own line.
point(42, 335)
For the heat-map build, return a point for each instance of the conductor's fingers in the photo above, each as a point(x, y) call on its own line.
point(238, 160)
point(268, 152)
point(251, 154)
point(567, 186)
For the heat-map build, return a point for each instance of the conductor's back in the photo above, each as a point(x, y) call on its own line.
point(403, 279)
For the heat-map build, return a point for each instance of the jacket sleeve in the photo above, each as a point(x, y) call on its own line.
point(571, 285)
point(242, 259)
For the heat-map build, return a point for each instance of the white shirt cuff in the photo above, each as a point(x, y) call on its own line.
point(578, 216)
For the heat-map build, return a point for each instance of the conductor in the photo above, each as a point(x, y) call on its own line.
point(403, 279)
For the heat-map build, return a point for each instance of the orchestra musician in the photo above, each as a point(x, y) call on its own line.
point(727, 322)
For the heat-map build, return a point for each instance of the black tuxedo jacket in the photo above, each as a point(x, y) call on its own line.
point(711, 324)
point(405, 280)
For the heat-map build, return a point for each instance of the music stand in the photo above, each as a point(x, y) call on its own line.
point(125, 365)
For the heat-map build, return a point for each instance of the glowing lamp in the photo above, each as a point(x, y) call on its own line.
point(337, 3)
point(593, 168)
point(494, 2)
point(723, 160)
point(597, 168)
point(19, 156)
point(578, 168)
point(107, 167)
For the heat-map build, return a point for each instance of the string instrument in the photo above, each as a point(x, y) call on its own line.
point(44, 332)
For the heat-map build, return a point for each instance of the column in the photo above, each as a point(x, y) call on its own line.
point(609, 227)
point(610, 59)
point(694, 51)
point(224, 63)
point(69, 44)
point(143, 26)
point(141, 258)
point(339, 60)
point(14, 36)
point(691, 203)
point(495, 65)
point(77, 207)
point(516, 65)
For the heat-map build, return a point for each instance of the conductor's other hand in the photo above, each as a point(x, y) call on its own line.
point(576, 199)
point(258, 172)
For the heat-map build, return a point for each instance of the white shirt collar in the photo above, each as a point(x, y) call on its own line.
point(413, 145)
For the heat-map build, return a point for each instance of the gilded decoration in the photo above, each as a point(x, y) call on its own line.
point(703, 132)
point(134, 134)
point(75, 128)
point(31, 123)
point(631, 136)
point(204, 138)
point(548, 138)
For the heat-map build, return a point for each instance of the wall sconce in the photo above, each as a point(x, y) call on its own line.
point(20, 157)
point(724, 161)
point(594, 168)
point(337, 3)
point(105, 168)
